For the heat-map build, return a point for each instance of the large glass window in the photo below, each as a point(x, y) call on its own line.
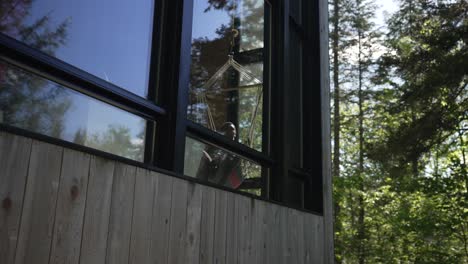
point(36, 104)
point(213, 164)
point(110, 39)
point(227, 70)
point(226, 93)
point(80, 71)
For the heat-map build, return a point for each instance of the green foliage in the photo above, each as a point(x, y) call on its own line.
point(28, 101)
point(245, 96)
point(431, 57)
point(116, 139)
point(403, 117)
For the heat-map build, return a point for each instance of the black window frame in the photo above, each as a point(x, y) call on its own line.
point(166, 103)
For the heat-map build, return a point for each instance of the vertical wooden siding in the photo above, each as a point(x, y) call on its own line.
point(63, 206)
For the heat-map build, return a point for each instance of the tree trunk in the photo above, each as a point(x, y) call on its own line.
point(361, 227)
point(336, 91)
point(336, 113)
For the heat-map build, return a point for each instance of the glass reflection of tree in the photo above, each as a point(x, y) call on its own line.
point(209, 54)
point(28, 101)
point(116, 139)
point(12, 13)
point(39, 105)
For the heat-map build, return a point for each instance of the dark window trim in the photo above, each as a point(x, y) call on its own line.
point(279, 80)
point(208, 136)
point(173, 96)
point(311, 173)
point(52, 68)
point(312, 111)
point(165, 148)
point(166, 173)
point(219, 140)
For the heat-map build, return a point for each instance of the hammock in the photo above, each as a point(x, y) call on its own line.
point(244, 73)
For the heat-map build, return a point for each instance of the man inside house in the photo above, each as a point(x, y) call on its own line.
point(219, 166)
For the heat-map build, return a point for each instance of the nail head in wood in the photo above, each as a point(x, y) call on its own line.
point(74, 192)
point(7, 203)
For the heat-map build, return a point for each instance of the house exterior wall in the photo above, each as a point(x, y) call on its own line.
point(64, 206)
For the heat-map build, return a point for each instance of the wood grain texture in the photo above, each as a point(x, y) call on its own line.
point(219, 241)
point(160, 220)
point(244, 218)
point(325, 126)
point(296, 235)
point(313, 239)
point(273, 241)
point(194, 210)
point(98, 201)
point(140, 242)
point(320, 254)
point(261, 231)
point(309, 249)
point(207, 226)
point(14, 162)
point(286, 248)
point(121, 212)
point(178, 231)
point(40, 201)
point(299, 223)
point(293, 237)
point(70, 208)
point(232, 229)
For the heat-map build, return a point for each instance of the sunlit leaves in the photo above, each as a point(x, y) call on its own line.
point(415, 179)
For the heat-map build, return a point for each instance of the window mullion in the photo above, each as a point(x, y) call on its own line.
point(174, 80)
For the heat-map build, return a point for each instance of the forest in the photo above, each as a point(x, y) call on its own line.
point(399, 131)
point(399, 120)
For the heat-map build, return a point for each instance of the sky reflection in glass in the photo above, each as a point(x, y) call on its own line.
point(33, 103)
point(107, 38)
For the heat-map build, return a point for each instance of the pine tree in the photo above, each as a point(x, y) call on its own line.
point(421, 151)
point(430, 59)
point(28, 101)
point(353, 40)
point(339, 41)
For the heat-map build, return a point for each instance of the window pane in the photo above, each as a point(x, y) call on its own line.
point(108, 38)
point(31, 102)
point(295, 100)
point(210, 163)
point(226, 88)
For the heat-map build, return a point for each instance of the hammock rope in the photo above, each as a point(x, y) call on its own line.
point(253, 82)
point(244, 73)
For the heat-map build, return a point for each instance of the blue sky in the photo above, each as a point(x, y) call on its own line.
point(384, 6)
point(205, 24)
point(110, 39)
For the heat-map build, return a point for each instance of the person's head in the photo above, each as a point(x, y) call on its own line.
point(229, 130)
